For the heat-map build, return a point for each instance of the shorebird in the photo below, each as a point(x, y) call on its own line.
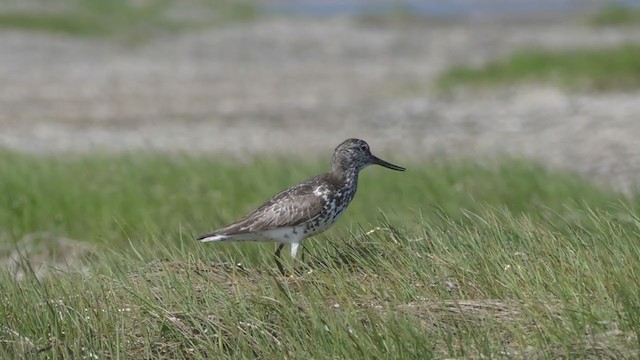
point(308, 208)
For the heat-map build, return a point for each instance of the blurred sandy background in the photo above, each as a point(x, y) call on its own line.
point(299, 77)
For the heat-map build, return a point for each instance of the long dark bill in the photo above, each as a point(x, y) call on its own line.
point(381, 162)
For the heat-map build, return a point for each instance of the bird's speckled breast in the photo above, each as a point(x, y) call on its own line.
point(336, 202)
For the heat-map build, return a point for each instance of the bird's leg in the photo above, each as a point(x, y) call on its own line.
point(294, 251)
point(277, 258)
point(301, 269)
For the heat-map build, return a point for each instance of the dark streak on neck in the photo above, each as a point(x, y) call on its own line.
point(343, 176)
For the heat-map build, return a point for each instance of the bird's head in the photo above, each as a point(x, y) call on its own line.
point(354, 154)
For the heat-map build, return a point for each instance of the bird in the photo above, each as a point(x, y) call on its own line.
point(305, 209)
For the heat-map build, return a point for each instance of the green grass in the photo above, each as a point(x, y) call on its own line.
point(505, 259)
point(615, 16)
point(616, 68)
point(127, 20)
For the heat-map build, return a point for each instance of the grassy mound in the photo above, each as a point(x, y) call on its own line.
point(607, 69)
point(505, 259)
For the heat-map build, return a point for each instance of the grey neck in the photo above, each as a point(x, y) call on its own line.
point(347, 175)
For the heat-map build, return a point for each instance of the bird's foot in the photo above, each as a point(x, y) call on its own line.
point(297, 274)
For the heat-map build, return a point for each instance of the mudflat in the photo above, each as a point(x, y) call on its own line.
point(299, 85)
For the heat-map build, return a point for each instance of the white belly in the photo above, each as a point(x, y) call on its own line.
point(287, 235)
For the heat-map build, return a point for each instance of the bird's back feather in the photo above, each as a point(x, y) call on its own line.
point(289, 208)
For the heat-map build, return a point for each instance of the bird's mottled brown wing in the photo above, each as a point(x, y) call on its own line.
point(288, 208)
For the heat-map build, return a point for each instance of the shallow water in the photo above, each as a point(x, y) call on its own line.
point(439, 7)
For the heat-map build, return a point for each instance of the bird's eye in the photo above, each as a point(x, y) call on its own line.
point(363, 147)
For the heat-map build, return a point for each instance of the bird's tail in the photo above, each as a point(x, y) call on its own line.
point(212, 237)
point(221, 237)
